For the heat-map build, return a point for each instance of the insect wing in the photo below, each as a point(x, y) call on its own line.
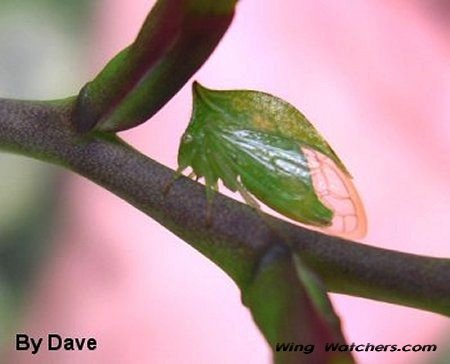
point(274, 170)
point(336, 191)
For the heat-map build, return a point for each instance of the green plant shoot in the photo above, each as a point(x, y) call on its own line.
point(264, 148)
point(175, 40)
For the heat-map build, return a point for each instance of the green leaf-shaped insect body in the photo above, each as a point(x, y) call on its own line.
point(260, 145)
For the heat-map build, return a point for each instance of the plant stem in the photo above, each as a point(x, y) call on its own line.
point(236, 236)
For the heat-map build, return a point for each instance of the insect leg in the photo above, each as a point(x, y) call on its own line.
point(222, 163)
point(172, 180)
point(248, 198)
point(207, 171)
point(210, 190)
point(177, 174)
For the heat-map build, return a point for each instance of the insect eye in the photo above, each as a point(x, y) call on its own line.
point(188, 138)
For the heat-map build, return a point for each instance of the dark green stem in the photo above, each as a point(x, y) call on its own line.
point(236, 236)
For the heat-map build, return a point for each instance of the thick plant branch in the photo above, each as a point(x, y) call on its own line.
point(237, 236)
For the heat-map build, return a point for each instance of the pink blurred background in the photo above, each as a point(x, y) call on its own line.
point(374, 78)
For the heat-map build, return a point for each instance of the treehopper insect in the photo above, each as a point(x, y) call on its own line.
point(264, 148)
